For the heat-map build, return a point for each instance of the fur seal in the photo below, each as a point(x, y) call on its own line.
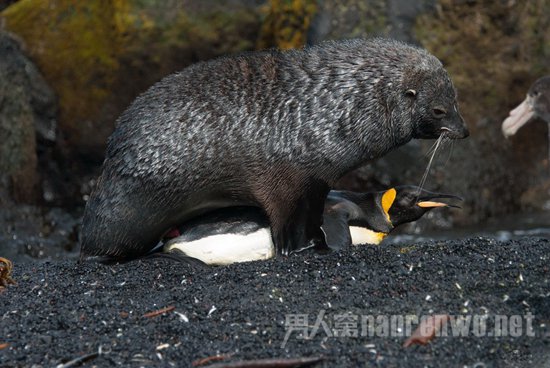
point(241, 234)
point(535, 105)
point(273, 129)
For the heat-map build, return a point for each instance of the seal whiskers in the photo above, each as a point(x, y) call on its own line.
point(433, 152)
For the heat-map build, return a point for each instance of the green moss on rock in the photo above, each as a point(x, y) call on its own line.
point(286, 23)
point(75, 45)
point(99, 54)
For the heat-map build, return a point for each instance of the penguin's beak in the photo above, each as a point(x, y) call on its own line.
point(518, 117)
point(430, 202)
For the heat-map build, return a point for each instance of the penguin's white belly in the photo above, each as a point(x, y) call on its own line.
point(225, 249)
point(361, 235)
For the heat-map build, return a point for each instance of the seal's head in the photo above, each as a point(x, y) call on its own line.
point(535, 105)
point(433, 100)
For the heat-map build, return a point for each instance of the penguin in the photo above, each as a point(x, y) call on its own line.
point(242, 234)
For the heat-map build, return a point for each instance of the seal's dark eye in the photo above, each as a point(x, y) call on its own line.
point(438, 112)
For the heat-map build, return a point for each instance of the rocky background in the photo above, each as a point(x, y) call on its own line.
point(69, 68)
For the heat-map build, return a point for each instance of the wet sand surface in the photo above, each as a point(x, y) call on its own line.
point(111, 315)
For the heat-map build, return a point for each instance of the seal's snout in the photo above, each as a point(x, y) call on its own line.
point(460, 132)
point(465, 133)
point(455, 127)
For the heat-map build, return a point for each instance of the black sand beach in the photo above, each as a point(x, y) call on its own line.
point(60, 311)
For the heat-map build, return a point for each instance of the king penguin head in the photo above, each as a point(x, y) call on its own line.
point(381, 212)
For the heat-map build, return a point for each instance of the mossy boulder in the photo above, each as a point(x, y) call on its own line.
point(286, 23)
point(74, 43)
point(98, 55)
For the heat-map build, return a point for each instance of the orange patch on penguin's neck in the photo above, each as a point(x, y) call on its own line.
point(387, 200)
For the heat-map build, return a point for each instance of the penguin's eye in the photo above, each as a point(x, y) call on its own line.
point(439, 112)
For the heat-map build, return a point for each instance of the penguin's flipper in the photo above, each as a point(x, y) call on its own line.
point(178, 256)
point(336, 228)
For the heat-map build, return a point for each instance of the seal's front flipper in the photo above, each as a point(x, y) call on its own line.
point(336, 228)
point(301, 228)
point(291, 237)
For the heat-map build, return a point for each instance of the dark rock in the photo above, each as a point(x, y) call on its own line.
point(27, 110)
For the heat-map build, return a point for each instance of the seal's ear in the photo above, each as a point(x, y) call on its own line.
point(410, 92)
